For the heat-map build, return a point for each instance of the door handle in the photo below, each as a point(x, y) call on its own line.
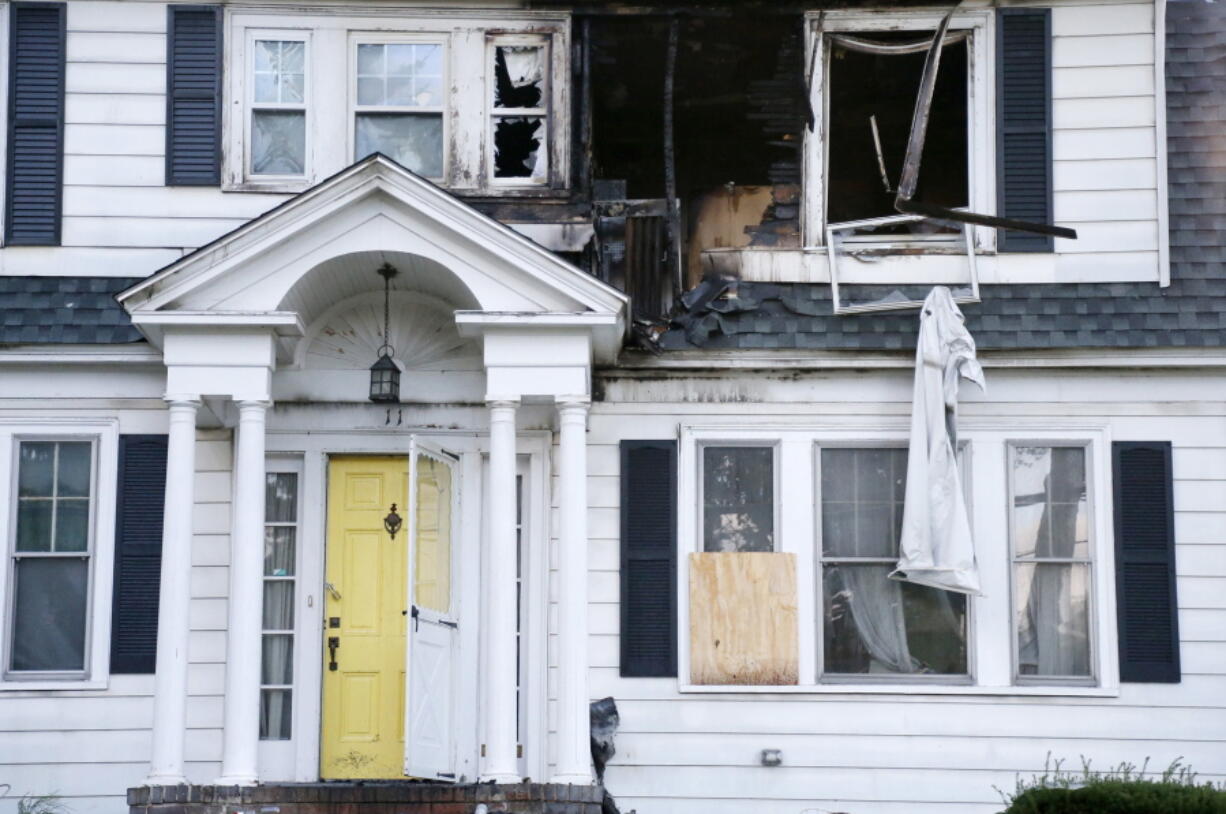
point(332, 590)
point(333, 643)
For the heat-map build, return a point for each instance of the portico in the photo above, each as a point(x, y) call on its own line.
point(276, 312)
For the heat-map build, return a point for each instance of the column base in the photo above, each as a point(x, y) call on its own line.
point(572, 779)
point(237, 780)
point(164, 780)
point(501, 778)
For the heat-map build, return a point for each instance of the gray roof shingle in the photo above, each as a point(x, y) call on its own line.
point(64, 311)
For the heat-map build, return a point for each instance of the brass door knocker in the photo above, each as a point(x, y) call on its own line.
point(393, 522)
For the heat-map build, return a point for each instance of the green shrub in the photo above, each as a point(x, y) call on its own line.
point(1121, 797)
point(1124, 789)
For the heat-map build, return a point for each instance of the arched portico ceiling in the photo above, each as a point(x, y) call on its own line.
point(374, 208)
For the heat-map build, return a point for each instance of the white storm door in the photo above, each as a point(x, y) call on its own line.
point(429, 740)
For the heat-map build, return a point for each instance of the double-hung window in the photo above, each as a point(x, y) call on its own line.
point(1049, 519)
point(872, 624)
point(399, 103)
point(519, 109)
point(278, 109)
point(51, 558)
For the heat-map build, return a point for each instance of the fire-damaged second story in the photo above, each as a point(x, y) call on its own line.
point(653, 146)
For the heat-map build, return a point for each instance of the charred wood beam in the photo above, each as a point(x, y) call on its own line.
point(670, 158)
point(915, 149)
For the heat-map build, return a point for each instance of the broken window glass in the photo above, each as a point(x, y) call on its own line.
point(393, 79)
point(873, 83)
point(520, 120)
point(738, 497)
point(278, 114)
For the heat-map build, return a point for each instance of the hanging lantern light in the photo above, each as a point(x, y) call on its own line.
point(384, 374)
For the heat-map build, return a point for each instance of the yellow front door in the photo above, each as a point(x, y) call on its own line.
point(365, 620)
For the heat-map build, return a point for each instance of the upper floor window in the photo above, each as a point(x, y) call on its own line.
point(278, 107)
point(867, 77)
point(471, 104)
point(399, 104)
point(519, 114)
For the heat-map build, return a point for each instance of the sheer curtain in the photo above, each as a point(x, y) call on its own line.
point(877, 613)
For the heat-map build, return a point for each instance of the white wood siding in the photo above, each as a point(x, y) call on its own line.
point(896, 753)
point(120, 219)
point(89, 746)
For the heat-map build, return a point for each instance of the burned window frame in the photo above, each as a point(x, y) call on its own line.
point(981, 138)
point(331, 138)
point(544, 111)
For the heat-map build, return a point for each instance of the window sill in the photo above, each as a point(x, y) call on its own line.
point(903, 689)
point(42, 685)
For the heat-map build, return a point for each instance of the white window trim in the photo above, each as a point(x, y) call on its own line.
point(1092, 500)
point(546, 111)
point(440, 39)
point(981, 138)
point(105, 435)
point(990, 632)
point(466, 122)
point(242, 82)
point(773, 446)
point(277, 757)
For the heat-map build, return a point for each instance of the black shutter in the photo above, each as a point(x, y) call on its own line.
point(1023, 124)
point(648, 558)
point(1145, 562)
point(138, 552)
point(193, 95)
point(36, 124)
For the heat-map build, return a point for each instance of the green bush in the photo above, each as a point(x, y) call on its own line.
point(1124, 789)
point(1121, 797)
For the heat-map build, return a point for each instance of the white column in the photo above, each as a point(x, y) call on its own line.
point(574, 763)
point(501, 762)
point(242, 705)
point(170, 680)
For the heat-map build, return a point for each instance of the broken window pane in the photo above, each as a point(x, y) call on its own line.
point(519, 76)
point(278, 142)
point(412, 139)
point(738, 496)
point(871, 101)
point(518, 147)
point(279, 71)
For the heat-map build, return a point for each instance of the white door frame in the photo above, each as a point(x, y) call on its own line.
point(313, 448)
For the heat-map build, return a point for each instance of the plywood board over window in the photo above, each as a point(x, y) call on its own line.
point(743, 627)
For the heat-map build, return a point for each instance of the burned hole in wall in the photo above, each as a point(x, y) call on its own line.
point(875, 88)
point(519, 106)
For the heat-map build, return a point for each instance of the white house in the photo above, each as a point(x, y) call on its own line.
point(383, 382)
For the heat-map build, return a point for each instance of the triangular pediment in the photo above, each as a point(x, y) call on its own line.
point(374, 208)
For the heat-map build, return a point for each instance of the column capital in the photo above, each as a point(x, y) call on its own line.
point(502, 402)
point(179, 400)
point(573, 403)
point(253, 404)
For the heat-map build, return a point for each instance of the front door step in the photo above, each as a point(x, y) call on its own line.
point(366, 797)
